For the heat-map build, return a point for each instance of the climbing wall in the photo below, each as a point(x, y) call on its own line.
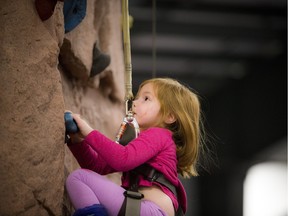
point(44, 71)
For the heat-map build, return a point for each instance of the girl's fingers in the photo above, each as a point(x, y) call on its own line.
point(84, 127)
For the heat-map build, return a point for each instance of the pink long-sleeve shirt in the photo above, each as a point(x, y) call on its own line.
point(153, 146)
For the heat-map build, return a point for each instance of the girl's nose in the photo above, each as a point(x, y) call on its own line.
point(134, 102)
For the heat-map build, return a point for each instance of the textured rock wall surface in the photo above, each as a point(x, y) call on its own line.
point(38, 81)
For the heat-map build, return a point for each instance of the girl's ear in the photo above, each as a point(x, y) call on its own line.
point(170, 119)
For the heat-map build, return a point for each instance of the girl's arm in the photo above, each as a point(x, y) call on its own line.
point(89, 159)
point(138, 151)
point(120, 158)
point(84, 154)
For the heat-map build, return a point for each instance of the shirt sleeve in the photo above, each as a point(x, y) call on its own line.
point(88, 158)
point(124, 158)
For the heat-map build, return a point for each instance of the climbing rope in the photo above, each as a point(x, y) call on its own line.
point(129, 128)
point(127, 55)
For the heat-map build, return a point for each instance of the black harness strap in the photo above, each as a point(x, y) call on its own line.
point(131, 204)
point(132, 201)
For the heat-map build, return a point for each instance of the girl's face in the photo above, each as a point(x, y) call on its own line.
point(146, 107)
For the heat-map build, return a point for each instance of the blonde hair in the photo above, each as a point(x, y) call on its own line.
point(178, 100)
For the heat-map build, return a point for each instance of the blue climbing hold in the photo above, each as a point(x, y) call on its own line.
point(74, 12)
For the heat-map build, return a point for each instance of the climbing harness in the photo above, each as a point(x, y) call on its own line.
point(132, 201)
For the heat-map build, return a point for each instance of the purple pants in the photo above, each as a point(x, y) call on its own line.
point(86, 188)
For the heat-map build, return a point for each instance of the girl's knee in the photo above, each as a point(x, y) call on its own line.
point(76, 175)
point(83, 175)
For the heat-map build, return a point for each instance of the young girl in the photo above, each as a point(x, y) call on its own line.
point(168, 115)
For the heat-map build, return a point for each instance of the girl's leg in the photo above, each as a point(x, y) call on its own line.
point(86, 188)
point(149, 208)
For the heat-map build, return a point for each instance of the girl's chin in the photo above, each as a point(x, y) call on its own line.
point(141, 128)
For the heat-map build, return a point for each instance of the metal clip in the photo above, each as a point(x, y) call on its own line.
point(129, 123)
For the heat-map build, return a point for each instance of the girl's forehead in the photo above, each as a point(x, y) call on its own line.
point(148, 87)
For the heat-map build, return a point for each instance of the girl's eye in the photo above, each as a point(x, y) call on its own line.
point(146, 98)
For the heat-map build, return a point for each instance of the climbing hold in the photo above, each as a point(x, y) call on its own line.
point(100, 61)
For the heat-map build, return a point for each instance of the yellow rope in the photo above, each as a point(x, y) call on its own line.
point(127, 52)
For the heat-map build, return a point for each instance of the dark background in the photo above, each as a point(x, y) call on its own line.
point(234, 54)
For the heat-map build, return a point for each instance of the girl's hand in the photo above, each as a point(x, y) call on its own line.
point(84, 129)
point(83, 126)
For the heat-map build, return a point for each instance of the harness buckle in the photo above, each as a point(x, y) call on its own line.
point(133, 194)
